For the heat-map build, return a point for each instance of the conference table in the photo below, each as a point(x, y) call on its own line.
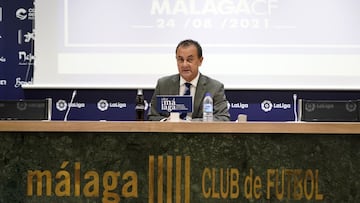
point(143, 161)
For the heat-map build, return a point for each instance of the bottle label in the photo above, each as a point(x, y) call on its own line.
point(140, 107)
point(208, 108)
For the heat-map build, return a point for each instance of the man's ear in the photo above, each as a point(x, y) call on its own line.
point(201, 60)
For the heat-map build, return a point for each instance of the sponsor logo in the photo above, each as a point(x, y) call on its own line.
point(21, 106)
point(351, 107)
point(310, 107)
point(267, 106)
point(23, 14)
point(25, 58)
point(62, 105)
point(104, 105)
point(239, 105)
point(19, 82)
point(3, 82)
point(28, 37)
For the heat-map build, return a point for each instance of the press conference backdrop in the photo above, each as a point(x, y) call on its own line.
point(253, 44)
point(265, 52)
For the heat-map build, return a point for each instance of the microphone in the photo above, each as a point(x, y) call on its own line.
point(140, 106)
point(70, 104)
point(295, 107)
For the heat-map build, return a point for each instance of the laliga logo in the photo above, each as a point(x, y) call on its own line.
point(61, 105)
point(3, 82)
point(103, 105)
point(266, 105)
point(310, 107)
point(21, 106)
point(351, 107)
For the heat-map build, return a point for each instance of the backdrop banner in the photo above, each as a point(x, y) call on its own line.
point(259, 103)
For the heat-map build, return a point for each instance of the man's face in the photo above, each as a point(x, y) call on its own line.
point(188, 62)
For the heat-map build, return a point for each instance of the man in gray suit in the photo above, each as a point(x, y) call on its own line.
point(189, 58)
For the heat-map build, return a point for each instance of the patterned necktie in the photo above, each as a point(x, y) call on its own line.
point(187, 92)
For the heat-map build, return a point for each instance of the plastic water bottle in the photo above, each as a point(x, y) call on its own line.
point(208, 108)
point(140, 105)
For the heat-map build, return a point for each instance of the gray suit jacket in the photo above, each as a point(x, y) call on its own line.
point(170, 85)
